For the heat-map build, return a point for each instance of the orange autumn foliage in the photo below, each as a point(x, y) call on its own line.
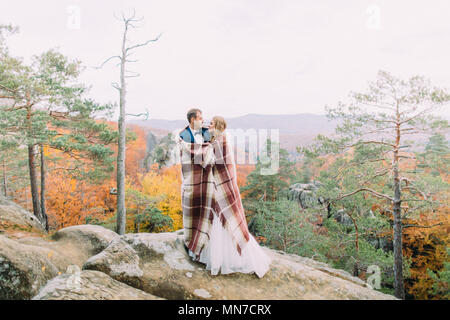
point(135, 154)
point(69, 201)
point(242, 171)
point(427, 249)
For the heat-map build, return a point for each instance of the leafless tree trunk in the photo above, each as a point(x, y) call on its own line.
point(126, 52)
point(121, 208)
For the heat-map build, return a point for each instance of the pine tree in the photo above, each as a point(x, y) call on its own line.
point(376, 122)
point(42, 104)
point(269, 187)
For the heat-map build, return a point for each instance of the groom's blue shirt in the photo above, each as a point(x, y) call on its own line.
point(186, 135)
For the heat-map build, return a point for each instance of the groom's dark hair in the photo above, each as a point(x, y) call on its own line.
point(192, 113)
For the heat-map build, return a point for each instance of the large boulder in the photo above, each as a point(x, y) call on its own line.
point(90, 285)
point(72, 245)
point(305, 194)
point(61, 253)
point(343, 218)
point(16, 220)
point(120, 261)
point(92, 238)
point(169, 272)
point(27, 263)
point(23, 269)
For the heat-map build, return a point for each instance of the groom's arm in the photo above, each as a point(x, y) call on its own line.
point(185, 135)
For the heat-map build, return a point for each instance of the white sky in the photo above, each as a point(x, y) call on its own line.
point(233, 57)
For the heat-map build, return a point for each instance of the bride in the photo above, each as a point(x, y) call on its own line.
point(221, 254)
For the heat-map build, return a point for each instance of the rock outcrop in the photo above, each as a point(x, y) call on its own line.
point(29, 257)
point(93, 238)
point(23, 269)
point(164, 268)
point(305, 194)
point(90, 285)
point(92, 262)
point(120, 261)
point(15, 220)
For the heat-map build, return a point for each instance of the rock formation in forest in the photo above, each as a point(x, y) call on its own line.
point(92, 262)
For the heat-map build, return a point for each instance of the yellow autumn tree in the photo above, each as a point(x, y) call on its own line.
point(165, 186)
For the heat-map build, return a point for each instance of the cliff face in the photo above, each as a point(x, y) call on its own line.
point(91, 262)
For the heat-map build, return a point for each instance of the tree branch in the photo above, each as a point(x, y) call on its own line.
point(115, 85)
point(143, 44)
point(376, 142)
point(420, 113)
point(418, 226)
point(110, 58)
point(379, 173)
point(13, 108)
point(7, 89)
point(415, 188)
point(377, 194)
point(378, 106)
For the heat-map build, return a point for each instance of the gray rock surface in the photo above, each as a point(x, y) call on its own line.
point(120, 261)
point(15, 217)
point(150, 265)
point(169, 272)
point(27, 263)
point(90, 285)
point(305, 194)
point(23, 270)
point(93, 238)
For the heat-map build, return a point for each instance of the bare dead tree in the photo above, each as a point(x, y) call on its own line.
point(126, 52)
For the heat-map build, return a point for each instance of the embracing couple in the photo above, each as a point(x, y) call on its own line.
point(215, 228)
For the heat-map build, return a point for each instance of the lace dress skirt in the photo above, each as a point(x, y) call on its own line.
point(221, 254)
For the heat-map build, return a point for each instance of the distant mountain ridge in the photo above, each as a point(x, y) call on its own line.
point(295, 129)
point(301, 123)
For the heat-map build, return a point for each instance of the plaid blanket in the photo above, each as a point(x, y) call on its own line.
point(210, 187)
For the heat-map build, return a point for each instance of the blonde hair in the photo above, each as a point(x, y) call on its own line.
point(219, 124)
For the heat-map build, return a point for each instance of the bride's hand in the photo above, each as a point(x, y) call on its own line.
point(209, 158)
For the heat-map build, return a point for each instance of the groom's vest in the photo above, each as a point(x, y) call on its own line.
point(187, 135)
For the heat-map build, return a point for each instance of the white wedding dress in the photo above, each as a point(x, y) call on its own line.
point(222, 255)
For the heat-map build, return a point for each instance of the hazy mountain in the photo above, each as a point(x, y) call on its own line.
point(302, 123)
point(295, 129)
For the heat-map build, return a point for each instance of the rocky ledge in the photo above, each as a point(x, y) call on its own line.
point(92, 262)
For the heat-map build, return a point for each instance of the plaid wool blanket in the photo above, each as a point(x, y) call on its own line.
point(209, 186)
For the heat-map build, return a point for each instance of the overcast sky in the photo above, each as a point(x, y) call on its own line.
point(233, 57)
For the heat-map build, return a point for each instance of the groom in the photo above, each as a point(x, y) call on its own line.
point(196, 230)
point(195, 132)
